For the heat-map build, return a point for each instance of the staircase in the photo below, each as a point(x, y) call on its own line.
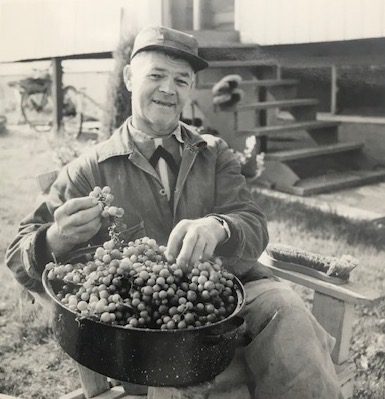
point(303, 156)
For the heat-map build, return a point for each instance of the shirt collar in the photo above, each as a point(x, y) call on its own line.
point(121, 142)
point(139, 137)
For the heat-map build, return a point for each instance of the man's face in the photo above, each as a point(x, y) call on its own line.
point(160, 86)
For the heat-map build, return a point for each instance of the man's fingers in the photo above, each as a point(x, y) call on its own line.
point(83, 217)
point(198, 251)
point(188, 246)
point(84, 232)
point(77, 204)
point(208, 250)
point(175, 241)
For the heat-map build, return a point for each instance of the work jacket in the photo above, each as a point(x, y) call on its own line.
point(209, 183)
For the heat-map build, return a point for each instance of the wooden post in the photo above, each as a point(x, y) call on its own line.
point(334, 90)
point(336, 317)
point(92, 382)
point(197, 14)
point(57, 93)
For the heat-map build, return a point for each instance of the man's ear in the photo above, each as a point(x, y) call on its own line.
point(127, 75)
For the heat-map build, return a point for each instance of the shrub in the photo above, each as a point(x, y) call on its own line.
point(118, 103)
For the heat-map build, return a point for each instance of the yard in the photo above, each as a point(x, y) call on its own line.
point(32, 365)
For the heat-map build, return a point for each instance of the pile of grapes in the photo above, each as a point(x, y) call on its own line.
point(134, 286)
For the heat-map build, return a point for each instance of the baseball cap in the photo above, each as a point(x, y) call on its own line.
point(170, 41)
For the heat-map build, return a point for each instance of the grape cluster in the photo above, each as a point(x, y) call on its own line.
point(135, 286)
point(105, 197)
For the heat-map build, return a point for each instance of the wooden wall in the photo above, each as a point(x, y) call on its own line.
point(270, 22)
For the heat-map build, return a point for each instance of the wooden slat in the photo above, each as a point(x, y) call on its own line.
point(350, 292)
point(257, 83)
point(290, 155)
point(335, 181)
point(241, 64)
point(93, 383)
point(299, 102)
point(336, 317)
point(289, 127)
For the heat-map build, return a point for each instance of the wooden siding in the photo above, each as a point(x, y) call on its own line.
point(270, 22)
point(39, 29)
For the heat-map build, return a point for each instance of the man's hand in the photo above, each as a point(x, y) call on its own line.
point(194, 240)
point(75, 222)
point(226, 92)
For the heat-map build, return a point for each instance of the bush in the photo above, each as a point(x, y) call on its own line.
point(118, 103)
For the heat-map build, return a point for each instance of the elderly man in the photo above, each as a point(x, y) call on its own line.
point(187, 192)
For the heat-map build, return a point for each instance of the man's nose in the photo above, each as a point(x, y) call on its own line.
point(167, 86)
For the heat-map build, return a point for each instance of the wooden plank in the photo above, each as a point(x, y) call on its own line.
point(350, 292)
point(256, 83)
point(289, 155)
point(77, 394)
point(167, 393)
point(241, 64)
point(275, 129)
point(299, 102)
point(2, 396)
point(113, 393)
point(325, 183)
point(336, 316)
point(92, 382)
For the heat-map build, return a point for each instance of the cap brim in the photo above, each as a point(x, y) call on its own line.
point(196, 62)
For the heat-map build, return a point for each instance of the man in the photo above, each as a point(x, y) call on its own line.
point(186, 191)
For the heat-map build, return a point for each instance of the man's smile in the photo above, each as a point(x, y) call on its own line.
point(164, 103)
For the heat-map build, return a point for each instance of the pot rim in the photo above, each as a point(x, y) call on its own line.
point(240, 291)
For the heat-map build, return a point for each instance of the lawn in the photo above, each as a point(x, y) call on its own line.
point(32, 365)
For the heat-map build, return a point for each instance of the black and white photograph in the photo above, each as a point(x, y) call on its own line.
point(193, 199)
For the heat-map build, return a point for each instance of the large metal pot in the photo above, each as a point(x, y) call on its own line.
point(148, 356)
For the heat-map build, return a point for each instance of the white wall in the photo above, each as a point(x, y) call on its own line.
point(269, 22)
point(46, 28)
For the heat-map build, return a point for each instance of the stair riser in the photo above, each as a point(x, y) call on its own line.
point(326, 135)
point(308, 154)
point(307, 113)
point(210, 75)
point(324, 164)
point(230, 53)
point(282, 93)
point(332, 187)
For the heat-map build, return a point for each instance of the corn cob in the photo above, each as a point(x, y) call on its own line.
point(330, 265)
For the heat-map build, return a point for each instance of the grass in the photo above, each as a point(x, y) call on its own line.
point(32, 365)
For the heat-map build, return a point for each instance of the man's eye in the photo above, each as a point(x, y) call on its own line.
point(182, 82)
point(155, 76)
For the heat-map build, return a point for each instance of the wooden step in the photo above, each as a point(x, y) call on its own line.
point(283, 156)
point(257, 83)
point(289, 127)
point(241, 63)
point(335, 181)
point(298, 102)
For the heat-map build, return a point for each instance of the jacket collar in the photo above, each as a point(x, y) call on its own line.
point(121, 143)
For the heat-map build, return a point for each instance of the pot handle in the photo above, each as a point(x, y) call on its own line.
point(239, 335)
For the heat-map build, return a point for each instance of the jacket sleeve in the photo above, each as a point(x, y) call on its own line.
point(26, 256)
point(235, 204)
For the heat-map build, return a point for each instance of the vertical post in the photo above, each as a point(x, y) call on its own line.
point(197, 14)
point(334, 90)
point(336, 317)
point(57, 93)
point(92, 382)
